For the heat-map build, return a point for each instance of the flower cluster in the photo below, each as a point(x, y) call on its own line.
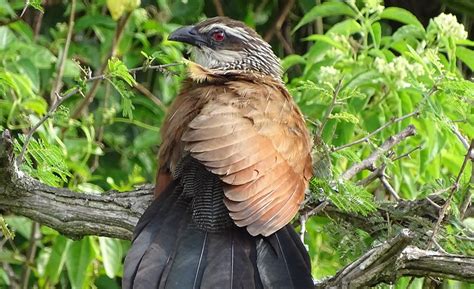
point(398, 69)
point(447, 25)
point(374, 6)
point(329, 75)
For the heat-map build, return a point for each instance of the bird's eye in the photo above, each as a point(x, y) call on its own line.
point(218, 36)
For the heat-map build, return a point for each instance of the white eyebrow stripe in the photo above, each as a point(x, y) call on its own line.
point(234, 31)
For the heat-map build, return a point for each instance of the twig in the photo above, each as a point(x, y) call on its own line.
point(219, 9)
point(57, 102)
point(385, 147)
point(467, 198)
point(331, 106)
point(62, 62)
point(407, 154)
point(143, 90)
point(286, 44)
point(116, 40)
point(30, 255)
point(27, 4)
point(366, 138)
point(454, 189)
point(280, 20)
point(60, 99)
point(373, 176)
point(458, 134)
point(37, 25)
point(378, 172)
point(388, 187)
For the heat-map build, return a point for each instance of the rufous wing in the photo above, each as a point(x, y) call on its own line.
point(254, 138)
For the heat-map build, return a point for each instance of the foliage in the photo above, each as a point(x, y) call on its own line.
point(383, 63)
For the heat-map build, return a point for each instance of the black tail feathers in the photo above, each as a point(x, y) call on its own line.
point(170, 252)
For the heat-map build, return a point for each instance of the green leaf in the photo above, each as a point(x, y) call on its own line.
point(36, 104)
point(344, 116)
point(346, 196)
point(324, 10)
point(50, 167)
point(6, 232)
point(400, 15)
point(466, 55)
point(377, 30)
point(127, 105)
point(6, 37)
point(326, 39)
point(111, 251)
point(57, 259)
point(36, 4)
point(78, 262)
point(292, 60)
point(346, 27)
point(465, 42)
point(6, 9)
point(20, 225)
point(116, 68)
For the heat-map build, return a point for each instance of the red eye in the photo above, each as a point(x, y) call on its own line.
point(218, 36)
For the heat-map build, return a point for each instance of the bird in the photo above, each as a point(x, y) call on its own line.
point(233, 168)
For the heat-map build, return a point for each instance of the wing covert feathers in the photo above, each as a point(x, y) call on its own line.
point(252, 135)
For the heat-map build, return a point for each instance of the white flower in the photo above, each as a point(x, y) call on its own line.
point(398, 70)
point(329, 74)
point(351, 2)
point(374, 6)
point(380, 64)
point(447, 25)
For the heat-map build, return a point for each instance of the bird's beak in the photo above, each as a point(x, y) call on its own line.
point(187, 34)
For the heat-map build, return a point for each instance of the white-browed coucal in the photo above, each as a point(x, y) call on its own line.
point(234, 165)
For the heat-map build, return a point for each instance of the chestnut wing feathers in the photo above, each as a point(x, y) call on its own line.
point(254, 138)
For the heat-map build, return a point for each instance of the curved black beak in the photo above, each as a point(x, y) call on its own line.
point(187, 34)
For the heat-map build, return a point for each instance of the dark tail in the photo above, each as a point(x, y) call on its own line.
point(169, 251)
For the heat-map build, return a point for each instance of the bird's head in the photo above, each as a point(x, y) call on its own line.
point(222, 43)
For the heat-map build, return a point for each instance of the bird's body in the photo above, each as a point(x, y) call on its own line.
point(233, 168)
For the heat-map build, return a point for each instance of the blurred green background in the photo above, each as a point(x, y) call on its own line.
point(388, 57)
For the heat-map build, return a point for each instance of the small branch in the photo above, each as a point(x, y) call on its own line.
point(57, 102)
point(460, 137)
point(330, 108)
point(280, 20)
point(60, 99)
point(30, 255)
point(366, 138)
point(454, 189)
point(95, 85)
point(407, 154)
point(62, 62)
point(373, 176)
point(384, 148)
point(219, 9)
point(389, 188)
point(27, 4)
point(143, 90)
point(467, 198)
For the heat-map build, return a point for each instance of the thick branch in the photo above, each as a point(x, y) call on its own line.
point(110, 214)
point(395, 258)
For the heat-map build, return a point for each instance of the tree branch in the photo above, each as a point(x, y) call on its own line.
point(384, 148)
point(114, 214)
point(395, 258)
